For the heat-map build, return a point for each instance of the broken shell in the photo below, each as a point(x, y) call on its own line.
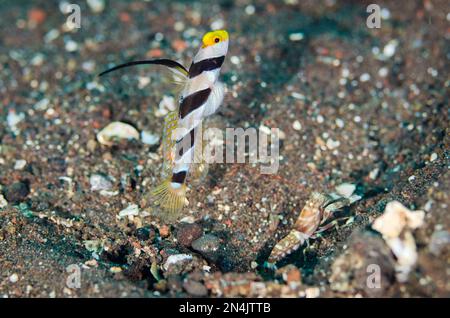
point(129, 211)
point(116, 130)
point(177, 258)
point(395, 226)
point(346, 189)
point(395, 218)
point(149, 139)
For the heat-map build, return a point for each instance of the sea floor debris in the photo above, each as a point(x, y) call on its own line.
point(356, 106)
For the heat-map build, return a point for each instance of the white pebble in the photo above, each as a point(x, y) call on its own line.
point(385, 13)
point(297, 125)
point(364, 77)
point(20, 164)
point(250, 9)
point(340, 123)
point(390, 48)
point(42, 104)
point(13, 119)
point(149, 139)
point(99, 182)
point(96, 6)
point(117, 130)
point(71, 46)
point(433, 156)
point(346, 189)
point(131, 210)
point(3, 202)
point(332, 144)
point(13, 278)
point(296, 36)
point(383, 72)
point(217, 25)
point(235, 60)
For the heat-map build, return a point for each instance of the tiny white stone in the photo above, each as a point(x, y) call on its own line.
point(374, 173)
point(99, 182)
point(345, 72)
point(131, 210)
point(235, 60)
point(250, 9)
point(390, 48)
point(20, 164)
point(13, 119)
point(297, 125)
point(71, 46)
point(385, 13)
point(364, 77)
point(346, 189)
point(340, 123)
point(188, 219)
point(3, 202)
point(148, 138)
point(433, 156)
point(143, 81)
point(13, 278)
point(332, 144)
point(117, 130)
point(96, 6)
point(298, 95)
point(383, 72)
point(173, 259)
point(296, 36)
point(51, 35)
point(218, 24)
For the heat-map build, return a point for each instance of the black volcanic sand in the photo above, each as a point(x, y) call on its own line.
point(348, 114)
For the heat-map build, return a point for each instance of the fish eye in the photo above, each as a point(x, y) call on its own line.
point(216, 40)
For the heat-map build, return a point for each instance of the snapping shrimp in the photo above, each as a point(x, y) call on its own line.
point(317, 210)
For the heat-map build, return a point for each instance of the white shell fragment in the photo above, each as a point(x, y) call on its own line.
point(100, 182)
point(130, 211)
point(173, 259)
point(116, 130)
point(13, 119)
point(20, 164)
point(166, 105)
point(96, 6)
point(3, 202)
point(149, 139)
point(346, 189)
point(396, 225)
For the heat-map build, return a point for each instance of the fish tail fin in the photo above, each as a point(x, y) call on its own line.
point(170, 198)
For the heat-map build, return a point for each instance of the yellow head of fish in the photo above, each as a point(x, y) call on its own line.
point(214, 37)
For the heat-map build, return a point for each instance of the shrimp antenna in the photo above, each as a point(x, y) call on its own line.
point(166, 62)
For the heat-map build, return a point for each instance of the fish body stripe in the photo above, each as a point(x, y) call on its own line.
point(179, 177)
point(205, 65)
point(202, 75)
point(182, 148)
point(194, 101)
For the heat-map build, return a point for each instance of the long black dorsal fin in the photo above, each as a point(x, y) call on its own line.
point(166, 62)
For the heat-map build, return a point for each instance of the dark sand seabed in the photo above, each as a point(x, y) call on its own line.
point(355, 105)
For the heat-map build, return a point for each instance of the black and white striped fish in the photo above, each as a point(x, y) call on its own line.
point(201, 96)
